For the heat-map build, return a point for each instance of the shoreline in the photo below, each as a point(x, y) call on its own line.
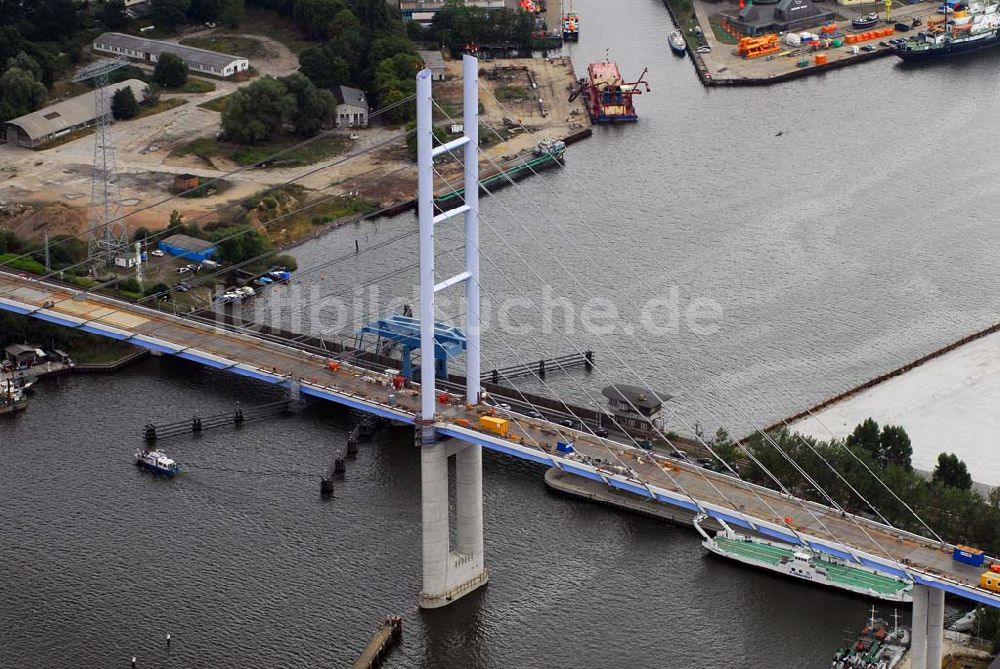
point(937, 353)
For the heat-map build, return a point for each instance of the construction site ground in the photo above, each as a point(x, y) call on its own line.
point(723, 64)
point(56, 181)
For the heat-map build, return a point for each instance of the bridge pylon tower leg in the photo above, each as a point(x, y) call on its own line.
point(449, 572)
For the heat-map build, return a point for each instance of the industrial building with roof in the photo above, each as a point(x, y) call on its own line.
point(49, 123)
point(637, 410)
point(434, 62)
point(759, 17)
point(352, 107)
point(201, 61)
point(184, 246)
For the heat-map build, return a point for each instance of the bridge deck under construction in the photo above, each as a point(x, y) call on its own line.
point(623, 467)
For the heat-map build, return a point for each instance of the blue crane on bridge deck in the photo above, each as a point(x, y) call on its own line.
point(449, 341)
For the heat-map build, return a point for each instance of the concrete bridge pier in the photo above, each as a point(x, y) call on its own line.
point(449, 574)
point(928, 628)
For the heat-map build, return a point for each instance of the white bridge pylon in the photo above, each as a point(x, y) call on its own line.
point(449, 574)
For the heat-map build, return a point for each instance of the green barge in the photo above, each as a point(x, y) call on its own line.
point(546, 154)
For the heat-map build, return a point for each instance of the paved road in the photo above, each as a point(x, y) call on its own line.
point(248, 354)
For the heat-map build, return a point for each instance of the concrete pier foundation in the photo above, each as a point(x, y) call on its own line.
point(928, 628)
point(450, 574)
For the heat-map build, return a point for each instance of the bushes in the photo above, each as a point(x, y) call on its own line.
point(123, 104)
point(23, 264)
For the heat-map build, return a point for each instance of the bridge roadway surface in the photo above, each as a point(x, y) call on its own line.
point(644, 474)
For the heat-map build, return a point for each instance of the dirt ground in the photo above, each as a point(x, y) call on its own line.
point(61, 175)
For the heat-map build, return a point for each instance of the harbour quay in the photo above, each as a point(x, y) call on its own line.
point(761, 43)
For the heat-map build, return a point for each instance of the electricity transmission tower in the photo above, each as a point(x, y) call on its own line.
point(107, 238)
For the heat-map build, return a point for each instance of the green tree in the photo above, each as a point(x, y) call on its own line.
point(140, 233)
point(151, 95)
point(952, 472)
point(123, 104)
point(239, 243)
point(171, 71)
point(231, 13)
point(26, 63)
point(176, 220)
point(315, 16)
point(375, 15)
point(895, 446)
point(170, 13)
point(112, 14)
point(314, 107)
point(204, 10)
point(865, 437)
point(323, 68)
point(49, 20)
point(256, 113)
point(20, 93)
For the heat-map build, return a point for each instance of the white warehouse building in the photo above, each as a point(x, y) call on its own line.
point(201, 61)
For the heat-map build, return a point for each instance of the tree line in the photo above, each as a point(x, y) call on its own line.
point(946, 501)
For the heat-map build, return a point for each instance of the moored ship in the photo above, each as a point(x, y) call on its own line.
point(677, 43)
point(803, 563)
point(967, 29)
point(877, 647)
point(863, 22)
point(607, 95)
point(11, 397)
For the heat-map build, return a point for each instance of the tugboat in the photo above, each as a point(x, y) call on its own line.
point(571, 25)
point(11, 398)
point(863, 22)
point(156, 462)
point(964, 31)
point(677, 43)
point(877, 647)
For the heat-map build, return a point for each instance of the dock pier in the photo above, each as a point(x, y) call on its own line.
point(386, 637)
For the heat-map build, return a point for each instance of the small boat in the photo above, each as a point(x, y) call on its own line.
point(865, 21)
point(156, 462)
point(677, 43)
point(550, 147)
point(25, 382)
point(11, 397)
point(877, 647)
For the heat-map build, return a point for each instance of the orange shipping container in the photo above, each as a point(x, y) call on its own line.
point(821, 59)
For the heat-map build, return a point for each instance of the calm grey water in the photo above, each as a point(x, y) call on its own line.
point(861, 238)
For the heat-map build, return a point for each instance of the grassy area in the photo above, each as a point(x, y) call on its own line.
point(683, 14)
point(197, 86)
point(203, 147)
point(511, 93)
point(314, 152)
point(716, 22)
point(247, 47)
point(159, 107)
point(321, 149)
point(215, 104)
point(258, 21)
point(301, 225)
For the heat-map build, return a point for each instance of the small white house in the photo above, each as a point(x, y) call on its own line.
point(352, 107)
point(433, 62)
point(128, 260)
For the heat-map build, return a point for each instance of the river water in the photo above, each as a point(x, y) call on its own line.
point(858, 239)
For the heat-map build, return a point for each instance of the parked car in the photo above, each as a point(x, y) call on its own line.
point(569, 422)
point(601, 432)
point(707, 463)
point(680, 455)
point(156, 252)
point(869, 47)
point(183, 270)
point(533, 414)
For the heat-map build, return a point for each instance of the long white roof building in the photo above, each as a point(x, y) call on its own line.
point(201, 61)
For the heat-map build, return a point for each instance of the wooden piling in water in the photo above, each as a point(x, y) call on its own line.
point(386, 637)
